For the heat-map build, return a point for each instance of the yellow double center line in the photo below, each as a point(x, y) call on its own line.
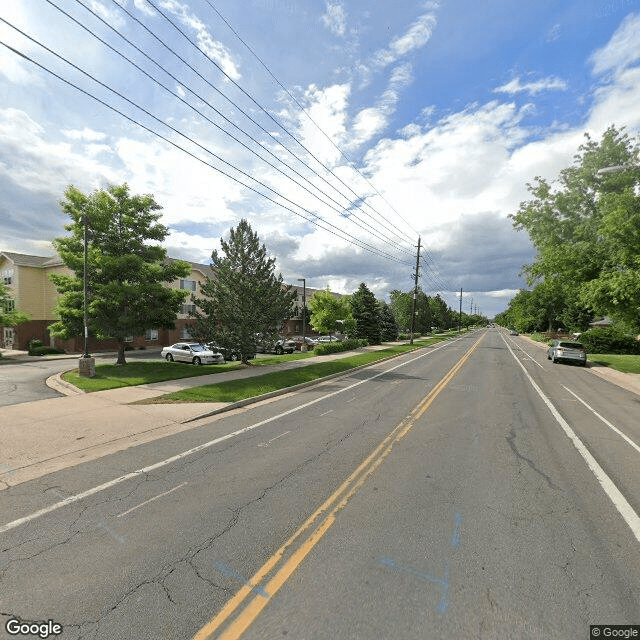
point(329, 509)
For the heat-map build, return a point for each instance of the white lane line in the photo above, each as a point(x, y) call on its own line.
point(151, 500)
point(525, 353)
point(325, 413)
point(614, 494)
point(611, 426)
point(201, 447)
point(351, 399)
point(266, 444)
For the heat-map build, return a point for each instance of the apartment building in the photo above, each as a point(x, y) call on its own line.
point(31, 291)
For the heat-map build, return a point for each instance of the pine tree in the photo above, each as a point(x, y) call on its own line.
point(364, 307)
point(243, 300)
point(388, 326)
point(126, 275)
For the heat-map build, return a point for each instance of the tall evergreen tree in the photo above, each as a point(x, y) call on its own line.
point(364, 308)
point(126, 274)
point(243, 300)
point(388, 326)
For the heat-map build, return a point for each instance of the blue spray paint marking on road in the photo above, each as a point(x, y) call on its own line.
point(455, 537)
point(101, 524)
point(443, 582)
point(229, 572)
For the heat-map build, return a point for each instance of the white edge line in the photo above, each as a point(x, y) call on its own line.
point(206, 445)
point(611, 426)
point(150, 500)
point(614, 494)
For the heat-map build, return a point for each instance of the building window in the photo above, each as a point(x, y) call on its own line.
point(151, 335)
point(129, 339)
point(9, 305)
point(188, 308)
point(7, 276)
point(184, 333)
point(188, 284)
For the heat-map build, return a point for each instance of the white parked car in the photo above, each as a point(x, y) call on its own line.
point(190, 352)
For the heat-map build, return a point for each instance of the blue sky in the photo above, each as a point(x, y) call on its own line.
point(430, 116)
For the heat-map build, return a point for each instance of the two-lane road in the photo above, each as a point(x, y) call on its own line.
point(471, 490)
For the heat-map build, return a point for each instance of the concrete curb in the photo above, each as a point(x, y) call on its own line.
point(57, 383)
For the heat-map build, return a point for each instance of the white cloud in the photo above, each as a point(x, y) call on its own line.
point(415, 37)
point(622, 50)
point(86, 134)
point(532, 88)
point(328, 109)
point(335, 17)
point(213, 48)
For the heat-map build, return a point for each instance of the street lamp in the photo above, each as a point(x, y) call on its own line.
point(304, 313)
point(86, 364)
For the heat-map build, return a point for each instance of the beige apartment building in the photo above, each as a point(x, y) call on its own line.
point(31, 291)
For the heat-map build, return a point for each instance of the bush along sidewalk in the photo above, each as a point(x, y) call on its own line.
point(337, 347)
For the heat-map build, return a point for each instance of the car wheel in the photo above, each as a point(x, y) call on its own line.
point(279, 350)
point(197, 361)
point(169, 357)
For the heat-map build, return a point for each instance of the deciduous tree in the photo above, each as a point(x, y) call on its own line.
point(127, 269)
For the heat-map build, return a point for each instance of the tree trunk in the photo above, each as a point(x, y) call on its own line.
point(121, 358)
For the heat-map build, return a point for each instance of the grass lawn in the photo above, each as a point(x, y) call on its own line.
point(111, 376)
point(626, 364)
point(234, 390)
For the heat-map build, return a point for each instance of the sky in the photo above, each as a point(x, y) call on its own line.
point(342, 130)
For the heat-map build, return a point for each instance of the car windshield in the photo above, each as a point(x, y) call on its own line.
point(571, 345)
point(197, 347)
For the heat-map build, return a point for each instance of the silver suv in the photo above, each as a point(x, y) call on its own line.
point(567, 350)
point(280, 346)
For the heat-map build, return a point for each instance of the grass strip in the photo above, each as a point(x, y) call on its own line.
point(111, 376)
point(235, 390)
point(624, 363)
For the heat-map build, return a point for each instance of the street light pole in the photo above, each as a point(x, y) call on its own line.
point(84, 277)
point(304, 314)
point(86, 364)
point(415, 294)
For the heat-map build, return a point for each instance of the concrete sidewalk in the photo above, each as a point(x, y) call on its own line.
point(43, 436)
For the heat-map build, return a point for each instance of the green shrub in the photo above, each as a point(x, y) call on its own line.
point(609, 340)
point(142, 348)
point(43, 351)
point(403, 336)
point(336, 347)
point(128, 347)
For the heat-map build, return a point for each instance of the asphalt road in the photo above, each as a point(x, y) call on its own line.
point(469, 490)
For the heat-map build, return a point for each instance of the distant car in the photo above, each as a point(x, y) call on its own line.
point(229, 354)
point(280, 346)
point(567, 350)
point(297, 340)
point(324, 339)
point(513, 332)
point(191, 352)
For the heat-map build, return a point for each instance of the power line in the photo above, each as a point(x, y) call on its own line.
point(295, 100)
point(250, 97)
point(352, 240)
point(337, 209)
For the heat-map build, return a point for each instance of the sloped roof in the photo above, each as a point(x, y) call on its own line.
point(26, 260)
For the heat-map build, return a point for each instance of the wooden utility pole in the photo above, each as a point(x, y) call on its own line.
point(415, 295)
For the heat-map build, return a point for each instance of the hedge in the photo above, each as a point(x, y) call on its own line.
point(326, 348)
point(609, 340)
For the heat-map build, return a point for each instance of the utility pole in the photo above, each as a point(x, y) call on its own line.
point(460, 317)
point(471, 307)
point(415, 295)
